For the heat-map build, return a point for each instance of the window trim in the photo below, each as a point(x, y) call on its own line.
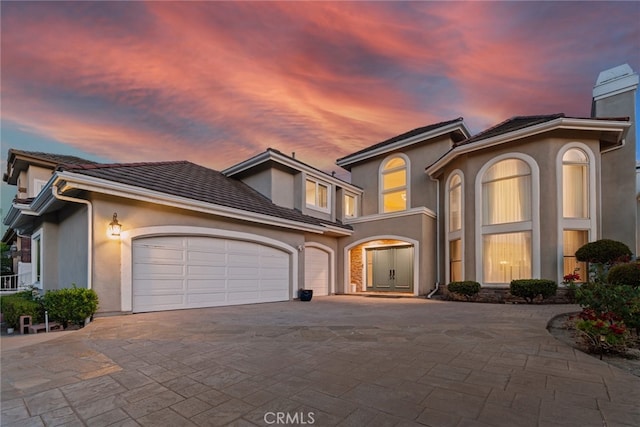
point(37, 264)
point(407, 186)
point(532, 225)
point(456, 234)
point(318, 182)
point(590, 224)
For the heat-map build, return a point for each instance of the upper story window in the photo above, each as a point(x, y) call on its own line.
point(38, 185)
point(455, 203)
point(350, 210)
point(317, 194)
point(575, 184)
point(506, 192)
point(393, 184)
point(509, 230)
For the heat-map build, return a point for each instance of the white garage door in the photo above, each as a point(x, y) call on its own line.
point(174, 272)
point(316, 270)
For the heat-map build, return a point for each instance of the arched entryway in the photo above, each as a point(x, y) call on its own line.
point(383, 264)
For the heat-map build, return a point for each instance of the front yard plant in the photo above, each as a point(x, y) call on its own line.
point(71, 305)
point(532, 289)
point(20, 304)
point(467, 289)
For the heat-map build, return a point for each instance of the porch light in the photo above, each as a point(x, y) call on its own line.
point(114, 228)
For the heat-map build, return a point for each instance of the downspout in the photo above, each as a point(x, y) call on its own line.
point(54, 191)
point(435, 290)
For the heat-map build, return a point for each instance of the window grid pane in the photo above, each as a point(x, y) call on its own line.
point(455, 260)
point(572, 241)
point(507, 257)
point(394, 201)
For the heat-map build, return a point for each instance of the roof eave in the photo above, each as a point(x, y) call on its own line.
point(348, 161)
point(82, 182)
point(618, 128)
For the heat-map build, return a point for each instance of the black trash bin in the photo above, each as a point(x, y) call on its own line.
point(305, 294)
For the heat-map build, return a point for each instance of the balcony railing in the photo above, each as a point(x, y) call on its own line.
point(14, 282)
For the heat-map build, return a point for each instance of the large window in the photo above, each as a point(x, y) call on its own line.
point(394, 185)
point(317, 194)
point(575, 184)
point(506, 192)
point(507, 221)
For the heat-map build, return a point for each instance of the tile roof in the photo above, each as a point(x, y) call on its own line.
point(192, 181)
point(59, 159)
point(405, 135)
point(510, 125)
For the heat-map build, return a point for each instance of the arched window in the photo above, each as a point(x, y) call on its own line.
point(575, 184)
point(454, 228)
point(394, 188)
point(578, 216)
point(507, 226)
point(455, 203)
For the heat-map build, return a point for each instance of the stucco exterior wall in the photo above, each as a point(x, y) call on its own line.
point(618, 173)
point(73, 246)
point(545, 152)
point(133, 215)
point(50, 256)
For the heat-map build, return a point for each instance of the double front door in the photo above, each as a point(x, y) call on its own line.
point(390, 269)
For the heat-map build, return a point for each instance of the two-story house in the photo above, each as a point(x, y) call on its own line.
point(424, 208)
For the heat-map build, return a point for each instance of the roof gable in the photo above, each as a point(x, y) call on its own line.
point(456, 127)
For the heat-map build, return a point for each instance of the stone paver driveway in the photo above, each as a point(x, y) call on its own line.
point(343, 360)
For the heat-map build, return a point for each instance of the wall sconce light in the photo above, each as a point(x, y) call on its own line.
point(300, 248)
point(114, 228)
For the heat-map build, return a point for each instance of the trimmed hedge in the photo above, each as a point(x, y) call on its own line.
point(530, 289)
point(604, 251)
point(467, 288)
point(71, 305)
point(20, 304)
point(625, 274)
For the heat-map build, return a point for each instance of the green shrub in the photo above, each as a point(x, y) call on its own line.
point(622, 301)
point(20, 304)
point(625, 274)
point(530, 289)
point(467, 288)
point(604, 251)
point(71, 305)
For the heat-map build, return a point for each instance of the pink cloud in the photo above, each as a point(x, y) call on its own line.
point(217, 82)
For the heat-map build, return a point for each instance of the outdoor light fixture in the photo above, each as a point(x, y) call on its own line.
point(114, 227)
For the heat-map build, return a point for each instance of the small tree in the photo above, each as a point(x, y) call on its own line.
point(602, 255)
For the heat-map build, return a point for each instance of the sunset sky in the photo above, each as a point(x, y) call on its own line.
point(218, 82)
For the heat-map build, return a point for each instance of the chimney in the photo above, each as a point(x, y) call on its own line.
point(614, 96)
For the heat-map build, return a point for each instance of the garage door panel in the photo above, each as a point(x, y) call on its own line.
point(206, 244)
point(157, 270)
point(211, 258)
point(243, 285)
point(207, 299)
point(208, 285)
point(172, 272)
point(206, 270)
point(244, 260)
